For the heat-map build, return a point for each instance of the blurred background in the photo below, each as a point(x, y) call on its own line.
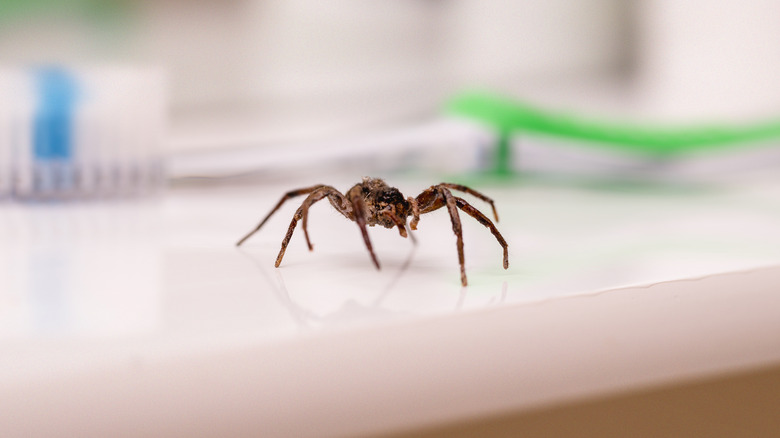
point(265, 74)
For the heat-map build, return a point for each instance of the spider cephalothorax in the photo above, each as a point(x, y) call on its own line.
point(372, 202)
point(384, 205)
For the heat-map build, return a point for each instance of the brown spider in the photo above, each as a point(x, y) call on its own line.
point(373, 202)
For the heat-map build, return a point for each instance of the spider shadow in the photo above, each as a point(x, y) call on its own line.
point(350, 310)
point(492, 302)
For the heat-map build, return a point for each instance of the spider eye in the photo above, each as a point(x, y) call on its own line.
point(390, 196)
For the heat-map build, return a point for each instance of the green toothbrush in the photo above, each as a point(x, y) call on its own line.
point(510, 117)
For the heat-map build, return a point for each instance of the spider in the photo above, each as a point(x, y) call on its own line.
point(373, 202)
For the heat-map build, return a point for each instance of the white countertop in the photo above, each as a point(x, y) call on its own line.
point(142, 318)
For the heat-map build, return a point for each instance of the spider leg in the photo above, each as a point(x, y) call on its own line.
point(390, 212)
point(289, 195)
point(359, 211)
point(298, 214)
point(429, 200)
point(318, 194)
point(476, 214)
point(472, 192)
point(302, 214)
point(456, 228)
point(415, 212)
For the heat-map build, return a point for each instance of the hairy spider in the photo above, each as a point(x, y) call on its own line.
point(373, 202)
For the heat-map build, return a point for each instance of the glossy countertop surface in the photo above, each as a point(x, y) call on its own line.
point(99, 286)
